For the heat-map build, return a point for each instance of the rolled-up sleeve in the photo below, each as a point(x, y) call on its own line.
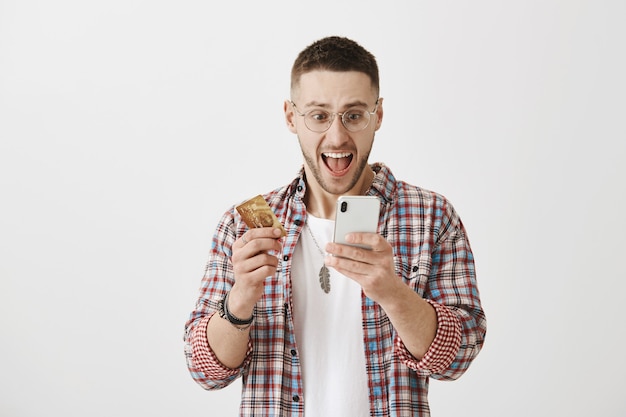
point(204, 366)
point(452, 290)
point(443, 348)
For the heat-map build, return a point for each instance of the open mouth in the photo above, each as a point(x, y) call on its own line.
point(337, 162)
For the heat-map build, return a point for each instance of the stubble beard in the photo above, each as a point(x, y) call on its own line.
point(317, 174)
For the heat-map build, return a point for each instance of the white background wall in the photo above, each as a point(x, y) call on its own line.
point(122, 130)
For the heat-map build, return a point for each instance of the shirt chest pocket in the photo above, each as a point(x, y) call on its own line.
point(414, 270)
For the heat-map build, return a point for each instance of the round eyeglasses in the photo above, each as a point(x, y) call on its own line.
point(318, 120)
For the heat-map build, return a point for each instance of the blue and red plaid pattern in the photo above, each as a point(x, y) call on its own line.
point(432, 255)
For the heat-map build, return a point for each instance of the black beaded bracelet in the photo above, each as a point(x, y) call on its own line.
point(226, 314)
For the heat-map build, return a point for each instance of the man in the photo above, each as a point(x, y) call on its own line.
point(397, 314)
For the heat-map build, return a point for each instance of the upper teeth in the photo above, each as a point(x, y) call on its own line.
point(337, 154)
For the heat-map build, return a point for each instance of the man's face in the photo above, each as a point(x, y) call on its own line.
point(334, 159)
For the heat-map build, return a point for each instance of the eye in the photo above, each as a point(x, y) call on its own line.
point(318, 116)
point(354, 115)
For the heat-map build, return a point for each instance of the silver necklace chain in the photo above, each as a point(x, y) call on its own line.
point(324, 274)
point(314, 240)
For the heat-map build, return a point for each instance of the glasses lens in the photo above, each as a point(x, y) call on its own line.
point(318, 120)
point(355, 120)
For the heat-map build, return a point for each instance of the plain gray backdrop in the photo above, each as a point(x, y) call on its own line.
point(128, 127)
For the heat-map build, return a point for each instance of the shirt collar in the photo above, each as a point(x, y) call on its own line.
point(383, 184)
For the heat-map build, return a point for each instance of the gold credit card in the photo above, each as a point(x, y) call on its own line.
point(257, 213)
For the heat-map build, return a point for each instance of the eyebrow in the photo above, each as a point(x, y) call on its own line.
point(350, 105)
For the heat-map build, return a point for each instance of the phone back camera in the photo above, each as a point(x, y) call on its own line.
point(344, 206)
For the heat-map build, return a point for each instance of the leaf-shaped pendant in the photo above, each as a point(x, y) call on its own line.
point(325, 279)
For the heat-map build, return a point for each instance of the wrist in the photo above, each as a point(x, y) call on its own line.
point(241, 301)
point(235, 320)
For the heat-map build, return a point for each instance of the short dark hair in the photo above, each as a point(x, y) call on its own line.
point(335, 53)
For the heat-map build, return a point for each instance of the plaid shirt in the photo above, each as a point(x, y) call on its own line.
point(432, 255)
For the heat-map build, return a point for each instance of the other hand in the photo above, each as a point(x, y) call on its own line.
point(254, 259)
point(373, 269)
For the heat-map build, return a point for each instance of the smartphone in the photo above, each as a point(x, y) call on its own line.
point(355, 213)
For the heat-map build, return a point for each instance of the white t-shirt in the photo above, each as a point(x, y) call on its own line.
point(329, 332)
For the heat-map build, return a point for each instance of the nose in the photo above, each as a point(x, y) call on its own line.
point(337, 131)
point(333, 117)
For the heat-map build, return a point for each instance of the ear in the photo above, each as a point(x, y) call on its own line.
point(289, 116)
point(379, 113)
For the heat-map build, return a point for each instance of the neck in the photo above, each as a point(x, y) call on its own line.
point(322, 204)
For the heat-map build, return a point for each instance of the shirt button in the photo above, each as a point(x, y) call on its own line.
point(286, 258)
point(297, 222)
point(299, 188)
point(415, 268)
point(296, 398)
point(293, 352)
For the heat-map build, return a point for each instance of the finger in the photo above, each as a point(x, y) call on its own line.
point(261, 232)
point(253, 271)
point(261, 245)
point(371, 240)
point(256, 263)
point(258, 233)
point(347, 266)
point(355, 253)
